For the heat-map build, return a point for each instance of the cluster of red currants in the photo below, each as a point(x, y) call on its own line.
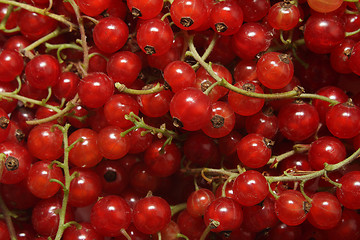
point(194, 119)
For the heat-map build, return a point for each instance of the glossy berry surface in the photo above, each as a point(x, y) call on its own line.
point(348, 194)
point(151, 214)
point(109, 215)
point(226, 211)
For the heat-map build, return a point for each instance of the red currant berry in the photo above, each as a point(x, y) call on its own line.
point(226, 211)
point(190, 109)
point(110, 34)
point(109, 215)
point(250, 188)
point(151, 214)
point(343, 120)
point(43, 71)
point(155, 37)
point(95, 89)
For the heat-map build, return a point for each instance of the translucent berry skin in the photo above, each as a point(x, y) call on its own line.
point(192, 108)
point(11, 66)
point(42, 71)
point(38, 180)
point(253, 151)
point(325, 211)
point(85, 153)
point(343, 120)
point(222, 120)
point(226, 211)
point(147, 9)
point(155, 37)
point(226, 17)
point(95, 89)
point(24, 160)
point(45, 216)
point(198, 201)
point(244, 105)
point(179, 75)
point(355, 59)
point(45, 142)
point(250, 40)
point(349, 192)
point(155, 104)
point(323, 33)
point(348, 227)
point(250, 188)
point(117, 107)
point(124, 67)
point(263, 122)
point(151, 214)
point(283, 16)
point(4, 232)
point(191, 9)
point(254, 10)
point(340, 54)
point(298, 121)
point(34, 25)
point(86, 232)
point(111, 144)
point(85, 188)
point(324, 6)
point(191, 226)
point(162, 162)
point(93, 7)
point(274, 70)
point(109, 215)
point(66, 86)
point(114, 177)
point(290, 207)
point(110, 34)
point(326, 150)
point(331, 92)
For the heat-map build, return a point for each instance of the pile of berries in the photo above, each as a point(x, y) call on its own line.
point(193, 119)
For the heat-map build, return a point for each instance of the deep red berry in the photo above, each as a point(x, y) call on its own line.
point(325, 211)
point(151, 214)
point(254, 150)
point(155, 37)
point(298, 120)
point(38, 180)
point(348, 194)
point(343, 120)
point(250, 188)
point(124, 67)
point(109, 215)
point(43, 71)
point(291, 207)
point(190, 109)
point(110, 34)
point(226, 17)
point(226, 211)
point(326, 150)
point(95, 89)
point(162, 160)
point(274, 70)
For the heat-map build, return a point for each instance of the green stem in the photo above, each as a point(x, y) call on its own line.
point(180, 235)
point(208, 50)
point(31, 8)
point(139, 123)
point(125, 234)
point(122, 88)
point(27, 100)
point(297, 148)
point(208, 90)
point(68, 179)
point(8, 220)
point(348, 34)
point(46, 38)
point(302, 184)
point(316, 96)
point(177, 208)
point(315, 174)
